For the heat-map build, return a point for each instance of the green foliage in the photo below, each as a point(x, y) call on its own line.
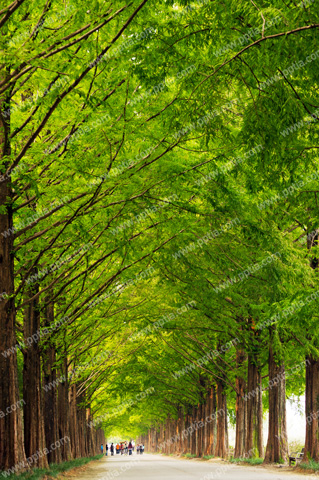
point(311, 465)
point(295, 446)
point(125, 177)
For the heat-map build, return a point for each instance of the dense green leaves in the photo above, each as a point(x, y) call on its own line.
point(169, 170)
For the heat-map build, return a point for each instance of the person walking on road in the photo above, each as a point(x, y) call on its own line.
point(112, 449)
point(130, 448)
point(106, 449)
point(117, 448)
point(142, 449)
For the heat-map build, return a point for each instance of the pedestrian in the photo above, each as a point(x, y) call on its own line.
point(117, 448)
point(106, 449)
point(130, 448)
point(142, 447)
point(122, 448)
point(112, 449)
point(125, 448)
point(133, 444)
point(102, 448)
point(137, 449)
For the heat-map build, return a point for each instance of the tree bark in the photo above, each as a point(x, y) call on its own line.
point(199, 430)
point(11, 436)
point(168, 434)
point(187, 439)
point(221, 441)
point(180, 426)
point(206, 424)
point(64, 414)
point(312, 381)
point(277, 445)
point(34, 436)
point(254, 430)
point(90, 440)
point(312, 409)
point(240, 407)
point(195, 434)
point(81, 416)
point(191, 434)
point(212, 425)
point(50, 403)
point(74, 433)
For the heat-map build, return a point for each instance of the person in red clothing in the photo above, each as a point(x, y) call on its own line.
point(130, 448)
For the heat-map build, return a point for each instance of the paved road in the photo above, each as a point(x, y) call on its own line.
point(157, 467)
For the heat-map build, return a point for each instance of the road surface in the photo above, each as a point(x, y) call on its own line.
point(158, 467)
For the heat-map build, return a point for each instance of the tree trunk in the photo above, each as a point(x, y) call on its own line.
point(186, 436)
point(312, 409)
point(240, 407)
point(312, 380)
point(34, 436)
point(199, 430)
point(81, 416)
point(212, 422)
point(74, 433)
point(207, 424)
point(11, 436)
point(254, 430)
point(221, 441)
point(90, 440)
point(277, 445)
point(64, 414)
point(191, 435)
point(195, 434)
point(168, 434)
point(176, 439)
point(50, 403)
point(161, 439)
point(51, 406)
point(180, 415)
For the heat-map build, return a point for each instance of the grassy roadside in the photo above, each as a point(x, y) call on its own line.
point(310, 466)
point(303, 468)
point(53, 471)
point(249, 461)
